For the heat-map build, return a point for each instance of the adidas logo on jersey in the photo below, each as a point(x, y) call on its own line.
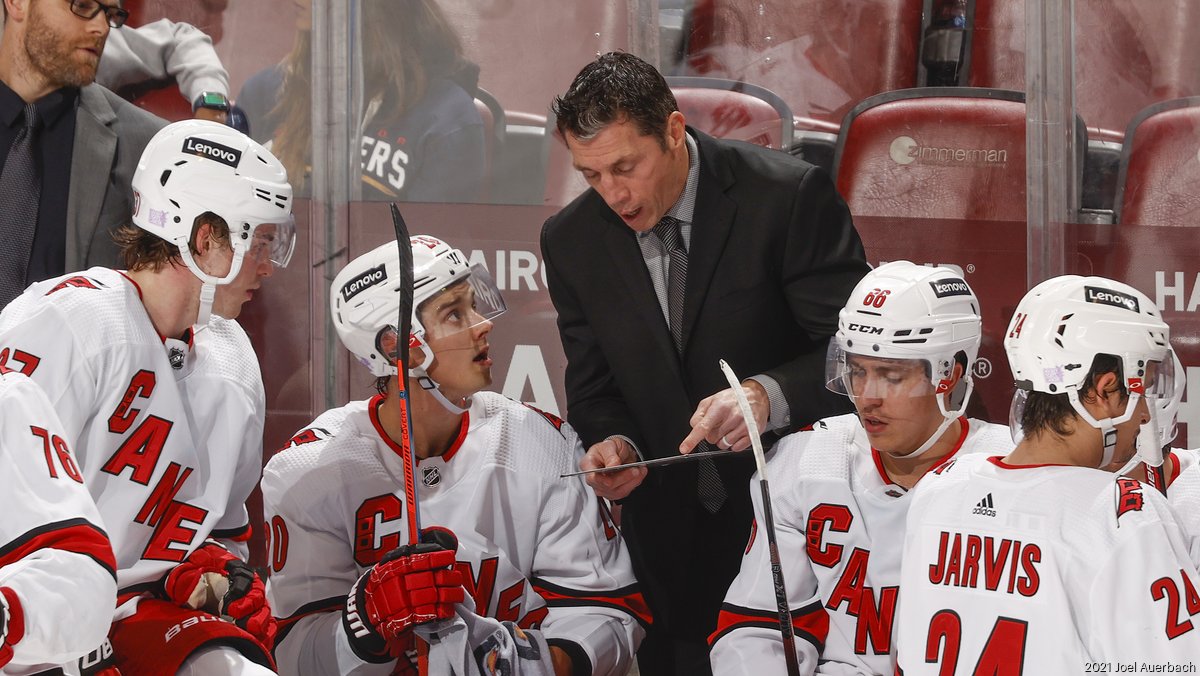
point(985, 507)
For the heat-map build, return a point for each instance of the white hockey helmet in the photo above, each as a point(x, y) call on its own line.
point(365, 300)
point(905, 311)
point(196, 166)
point(1059, 328)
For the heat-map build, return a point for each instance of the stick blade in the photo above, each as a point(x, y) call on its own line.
point(404, 321)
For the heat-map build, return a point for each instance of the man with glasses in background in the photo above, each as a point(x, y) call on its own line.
point(68, 147)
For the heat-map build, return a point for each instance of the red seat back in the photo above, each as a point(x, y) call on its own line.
point(734, 110)
point(1128, 54)
point(820, 56)
point(939, 152)
point(1159, 180)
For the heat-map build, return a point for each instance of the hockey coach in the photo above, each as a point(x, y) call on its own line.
point(686, 250)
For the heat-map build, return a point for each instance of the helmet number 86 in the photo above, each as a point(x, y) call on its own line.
point(876, 297)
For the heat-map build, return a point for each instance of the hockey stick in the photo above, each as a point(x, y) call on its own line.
point(412, 510)
point(781, 597)
point(403, 330)
point(670, 460)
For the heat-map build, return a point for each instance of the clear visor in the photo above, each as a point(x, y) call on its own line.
point(1164, 390)
point(461, 306)
point(1016, 411)
point(274, 242)
point(1158, 384)
point(860, 376)
point(1160, 388)
point(450, 315)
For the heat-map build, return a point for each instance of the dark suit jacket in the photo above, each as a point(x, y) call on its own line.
point(110, 134)
point(773, 257)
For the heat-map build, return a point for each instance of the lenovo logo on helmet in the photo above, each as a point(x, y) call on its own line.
point(366, 280)
point(864, 328)
point(1095, 294)
point(212, 150)
point(950, 287)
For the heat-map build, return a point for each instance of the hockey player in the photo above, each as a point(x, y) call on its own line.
point(1040, 560)
point(533, 551)
point(905, 346)
point(55, 559)
point(165, 402)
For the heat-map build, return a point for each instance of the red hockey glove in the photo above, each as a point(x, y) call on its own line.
point(411, 585)
point(12, 624)
point(212, 579)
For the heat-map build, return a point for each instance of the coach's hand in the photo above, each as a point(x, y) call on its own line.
point(215, 580)
point(411, 585)
point(611, 452)
point(718, 420)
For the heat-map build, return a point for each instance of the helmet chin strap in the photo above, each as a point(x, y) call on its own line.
point(421, 373)
point(1107, 426)
point(947, 418)
point(208, 291)
point(1149, 449)
point(209, 283)
point(432, 387)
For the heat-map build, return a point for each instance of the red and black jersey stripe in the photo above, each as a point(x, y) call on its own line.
point(286, 624)
point(810, 622)
point(628, 599)
point(73, 535)
point(239, 534)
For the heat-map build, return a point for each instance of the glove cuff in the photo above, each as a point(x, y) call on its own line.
point(12, 617)
point(364, 638)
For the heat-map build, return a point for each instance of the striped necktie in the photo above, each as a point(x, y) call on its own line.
point(709, 486)
point(20, 189)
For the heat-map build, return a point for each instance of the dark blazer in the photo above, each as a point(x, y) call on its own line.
point(110, 134)
point(773, 257)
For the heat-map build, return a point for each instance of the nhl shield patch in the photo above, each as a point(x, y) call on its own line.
point(431, 476)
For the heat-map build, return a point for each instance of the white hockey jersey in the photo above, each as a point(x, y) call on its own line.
point(1183, 493)
point(1045, 569)
point(839, 522)
point(168, 434)
point(54, 553)
point(534, 549)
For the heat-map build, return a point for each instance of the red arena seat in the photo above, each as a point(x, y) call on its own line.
point(936, 152)
point(820, 56)
point(1136, 53)
point(1159, 178)
point(734, 110)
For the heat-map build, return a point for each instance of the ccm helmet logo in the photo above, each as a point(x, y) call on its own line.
point(366, 280)
point(211, 150)
point(863, 328)
point(1094, 294)
point(950, 287)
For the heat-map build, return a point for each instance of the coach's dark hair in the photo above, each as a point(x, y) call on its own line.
point(1044, 411)
point(141, 250)
point(615, 86)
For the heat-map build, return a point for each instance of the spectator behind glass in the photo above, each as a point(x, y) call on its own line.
point(422, 137)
